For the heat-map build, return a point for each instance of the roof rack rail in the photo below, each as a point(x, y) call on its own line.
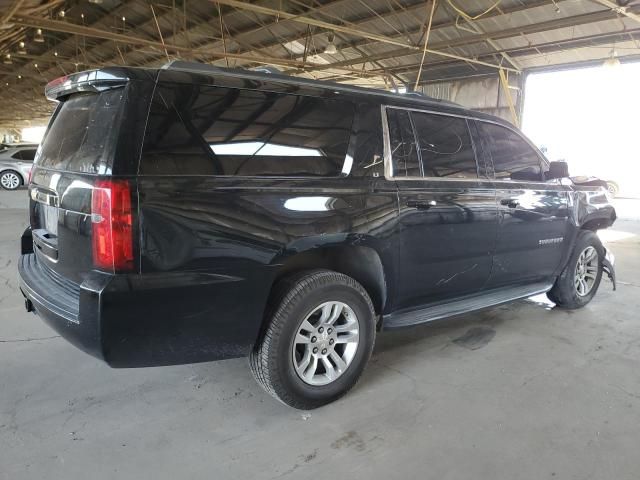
point(265, 69)
point(277, 75)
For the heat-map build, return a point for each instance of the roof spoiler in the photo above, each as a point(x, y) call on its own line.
point(89, 81)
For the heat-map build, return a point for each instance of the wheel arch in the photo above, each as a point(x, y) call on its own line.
point(597, 223)
point(362, 263)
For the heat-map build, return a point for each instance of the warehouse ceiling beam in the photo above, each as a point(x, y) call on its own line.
point(73, 29)
point(540, 48)
point(626, 11)
point(348, 30)
point(473, 25)
point(13, 8)
point(540, 27)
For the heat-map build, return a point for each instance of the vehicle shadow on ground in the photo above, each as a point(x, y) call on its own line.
point(472, 332)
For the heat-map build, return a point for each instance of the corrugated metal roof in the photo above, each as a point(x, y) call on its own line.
point(529, 34)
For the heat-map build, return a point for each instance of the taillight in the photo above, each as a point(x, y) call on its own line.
point(30, 174)
point(112, 225)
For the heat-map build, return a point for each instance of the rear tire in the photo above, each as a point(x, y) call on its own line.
point(320, 317)
point(580, 279)
point(10, 180)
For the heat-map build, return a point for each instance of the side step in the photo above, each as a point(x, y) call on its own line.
point(467, 304)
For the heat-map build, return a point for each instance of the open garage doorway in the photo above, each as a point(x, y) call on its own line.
point(589, 117)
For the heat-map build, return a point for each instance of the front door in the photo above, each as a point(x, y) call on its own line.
point(533, 221)
point(447, 208)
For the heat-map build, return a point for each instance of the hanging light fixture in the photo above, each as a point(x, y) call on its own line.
point(22, 50)
point(96, 2)
point(7, 59)
point(38, 37)
point(612, 61)
point(331, 47)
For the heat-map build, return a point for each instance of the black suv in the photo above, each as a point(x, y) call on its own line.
point(193, 213)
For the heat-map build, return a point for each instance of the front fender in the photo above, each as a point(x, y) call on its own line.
point(590, 208)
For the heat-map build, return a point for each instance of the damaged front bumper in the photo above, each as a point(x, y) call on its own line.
point(608, 267)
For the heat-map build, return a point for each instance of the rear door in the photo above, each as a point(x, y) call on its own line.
point(447, 207)
point(533, 229)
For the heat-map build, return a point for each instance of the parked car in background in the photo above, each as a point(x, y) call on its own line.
point(194, 213)
point(15, 164)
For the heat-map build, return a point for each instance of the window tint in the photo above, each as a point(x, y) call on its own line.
point(404, 154)
point(445, 146)
point(199, 130)
point(368, 158)
point(79, 136)
point(26, 155)
point(513, 158)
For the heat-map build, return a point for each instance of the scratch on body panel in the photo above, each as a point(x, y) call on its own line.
point(444, 281)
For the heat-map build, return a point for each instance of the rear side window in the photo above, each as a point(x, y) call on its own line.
point(79, 135)
point(430, 145)
point(445, 146)
point(513, 158)
point(404, 151)
point(201, 130)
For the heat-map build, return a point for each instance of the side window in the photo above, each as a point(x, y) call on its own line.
point(512, 157)
point(445, 146)
point(198, 130)
point(404, 154)
point(368, 156)
point(26, 155)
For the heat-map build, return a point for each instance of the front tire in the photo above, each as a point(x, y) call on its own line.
point(580, 279)
point(318, 340)
point(10, 180)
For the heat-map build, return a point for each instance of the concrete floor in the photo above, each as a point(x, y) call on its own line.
point(522, 391)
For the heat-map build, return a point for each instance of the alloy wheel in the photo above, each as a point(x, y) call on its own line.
point(586, 271)
point(326, 343)
point(10, 180)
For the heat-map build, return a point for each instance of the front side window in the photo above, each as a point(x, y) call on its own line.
point(513, 158)
point(196, 130)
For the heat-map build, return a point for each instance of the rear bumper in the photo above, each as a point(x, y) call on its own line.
point(69, 309)
point(147, 320)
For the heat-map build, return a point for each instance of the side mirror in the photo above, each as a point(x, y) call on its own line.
point(557, 170)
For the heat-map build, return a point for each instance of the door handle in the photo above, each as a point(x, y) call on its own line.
point(421, 205)
point(509, 202)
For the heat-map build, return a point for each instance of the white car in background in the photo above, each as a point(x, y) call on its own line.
point(15, 165)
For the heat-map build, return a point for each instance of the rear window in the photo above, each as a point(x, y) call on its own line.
point(79, 136)
point(200, 130)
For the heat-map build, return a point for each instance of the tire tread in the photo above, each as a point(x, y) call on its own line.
point(263, 360)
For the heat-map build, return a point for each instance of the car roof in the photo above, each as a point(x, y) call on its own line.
point(262, 79)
